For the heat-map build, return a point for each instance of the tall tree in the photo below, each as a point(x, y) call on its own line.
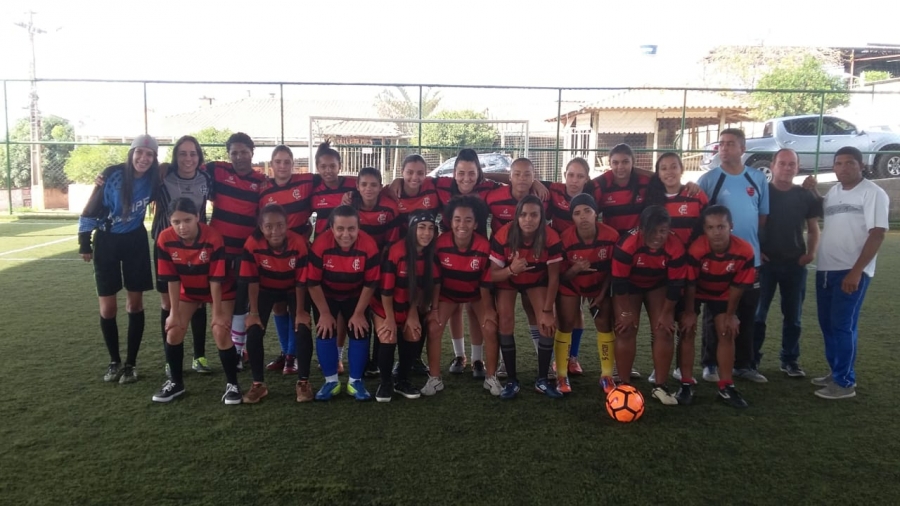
point(208, 138)
point(744, 66)
point(86, 162)
point(53, 156)
point(808, 75)
point(448, 138)
point(399, 103)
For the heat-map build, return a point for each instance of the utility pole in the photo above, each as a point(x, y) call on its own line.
point(37, 176)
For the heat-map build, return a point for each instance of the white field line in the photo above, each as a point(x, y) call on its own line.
point(36, 246)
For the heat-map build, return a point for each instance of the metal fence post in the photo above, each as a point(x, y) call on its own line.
point(681, 133)
point(281, 99)
point(145, 108)
point(8, 159)
point(819, 134)
point(558, 125)
point(420, 118)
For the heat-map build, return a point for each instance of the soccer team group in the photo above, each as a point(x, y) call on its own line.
point(383, 269)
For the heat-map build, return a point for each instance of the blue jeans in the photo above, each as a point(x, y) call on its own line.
point(839, 320)
point(790, 279)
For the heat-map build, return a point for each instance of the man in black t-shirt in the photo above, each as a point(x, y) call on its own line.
point(785, 256)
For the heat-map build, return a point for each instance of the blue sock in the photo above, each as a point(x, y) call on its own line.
point(291, 348)
point(576, 342)
point(327, 353)
point(358, 351)
point(282, 322)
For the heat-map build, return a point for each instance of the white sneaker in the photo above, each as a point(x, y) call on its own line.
point(432, 386)
point(677, 373)
point(652, 377)
point(663, 395)
point(493, 385)
point(501, 370)
point(711, 374)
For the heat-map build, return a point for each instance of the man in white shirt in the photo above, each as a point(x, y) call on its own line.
point(856, 218)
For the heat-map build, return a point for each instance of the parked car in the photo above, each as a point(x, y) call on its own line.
point(490, 162)
point(801, 134)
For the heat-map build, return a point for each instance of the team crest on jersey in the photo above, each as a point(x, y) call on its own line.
point(664, 262)
point(602, 254)
point(356, 264)
point(204, 256)
point(751, 191)
point(292, 262)
point(705, 266)
point(296, 194)
point(474, 264)
point(729, 267)
point(382, 218)
point(426, 202)
point(683, 209)
point(254, 186)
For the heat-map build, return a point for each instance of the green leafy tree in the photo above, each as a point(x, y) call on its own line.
point(870, 76)
point(809, 75)
point(208, 137)
point(745, 66)
point(448, 138)
point(398, 103)
point(86, 162)
point(53, 156)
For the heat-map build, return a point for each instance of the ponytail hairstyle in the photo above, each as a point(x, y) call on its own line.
point(269, 209)
point(656, 190)
point(356, 197)
point(581, 162)
point(625, 149)
point(417, 299)
point(281, 148)
point(515, 239)
point(325, 149)
point(413, 158)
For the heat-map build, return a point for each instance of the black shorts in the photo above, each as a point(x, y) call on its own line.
point(232, 271)
point(119, 257)
point(715, 307)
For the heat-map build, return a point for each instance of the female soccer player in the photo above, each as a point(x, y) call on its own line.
point(648, 269)
point(116, 211)
point(416, 192)
point(274, 269)
point(409, 277)
point(463, 255)
point(722, 267)
point(526, 255)
point(192, 262)
point(343, 271)
point(665, 189)
point(587, 257)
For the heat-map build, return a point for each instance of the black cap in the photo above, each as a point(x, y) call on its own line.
point(582, 199)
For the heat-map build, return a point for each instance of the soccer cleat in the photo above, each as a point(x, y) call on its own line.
point(478, 369)
point(729, 395)
point(256, 393)
point(492, 384)
point(290, 365)
point(662, 394)
point(420, 368)
point(384, 393)
point(113, 372)
point(304, 391)
point(328, 390)
point(129, 375)
point(168, 371)
point(834, 391)
point(358, 390)
point(750, 375)
point(406, 389)
point(277, 364)
point(371, 370)
point(608, 384)
point(685, 395)
point(562, 384)
point(575, 367)
point(232, 394)
point(168, 392)
point(635, 374)
point(201, 366)
point(510, 390)
point(711, 374)
point(793, 370)
point(458, 365)
point(543, 386)
point(432, 386)
point(501, 370)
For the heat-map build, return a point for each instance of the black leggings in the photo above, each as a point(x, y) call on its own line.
point(267, 300)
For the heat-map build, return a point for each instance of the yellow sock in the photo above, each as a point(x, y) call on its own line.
point(561, 350)
point(606, 347)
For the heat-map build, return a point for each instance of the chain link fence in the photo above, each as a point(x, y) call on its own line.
point(54, 145)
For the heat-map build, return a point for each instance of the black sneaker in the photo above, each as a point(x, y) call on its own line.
point(113, 372)
point(406, 389)
point(129, 375)
point(729, 395)
point(420, 367)
point(232, 394)
point(685, 395)
point(384, 393)
point(478, 369)
point(168, 392)
point(793, 370)
point(371, 370)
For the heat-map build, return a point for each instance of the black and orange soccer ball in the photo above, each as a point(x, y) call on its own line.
point(625, 404)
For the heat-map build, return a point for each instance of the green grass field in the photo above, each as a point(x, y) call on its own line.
point(69, 438)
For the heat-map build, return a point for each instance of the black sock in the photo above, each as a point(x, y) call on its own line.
point(386, 361)
point(175, 359)
point(545, 352)
point(135, 336)
point(304, 352)
point(508, 351)
point(198, 330)
point(255, 351)
point(417, 348)
point(408, 351)
point(229, 360)
point(110, 331)
point(163, 316)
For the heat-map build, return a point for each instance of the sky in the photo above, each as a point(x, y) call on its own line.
point(560, 43)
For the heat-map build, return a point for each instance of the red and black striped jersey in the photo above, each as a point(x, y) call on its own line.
point(295, 197)
point(598, 252)
point(194, 265)
point(621, 206)
point(502, 254)
point(637, 268)
point(325, 199)
point(341, 273)
point(426, 200)
point(381, 222)
point(685, 212)
point(446, 190)
point(502, 206)
point(275, 270)
point(464, 272)
point(714, 273)
point(395, 281)
point(235, 201)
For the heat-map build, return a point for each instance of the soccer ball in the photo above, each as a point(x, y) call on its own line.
point(625, 404)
